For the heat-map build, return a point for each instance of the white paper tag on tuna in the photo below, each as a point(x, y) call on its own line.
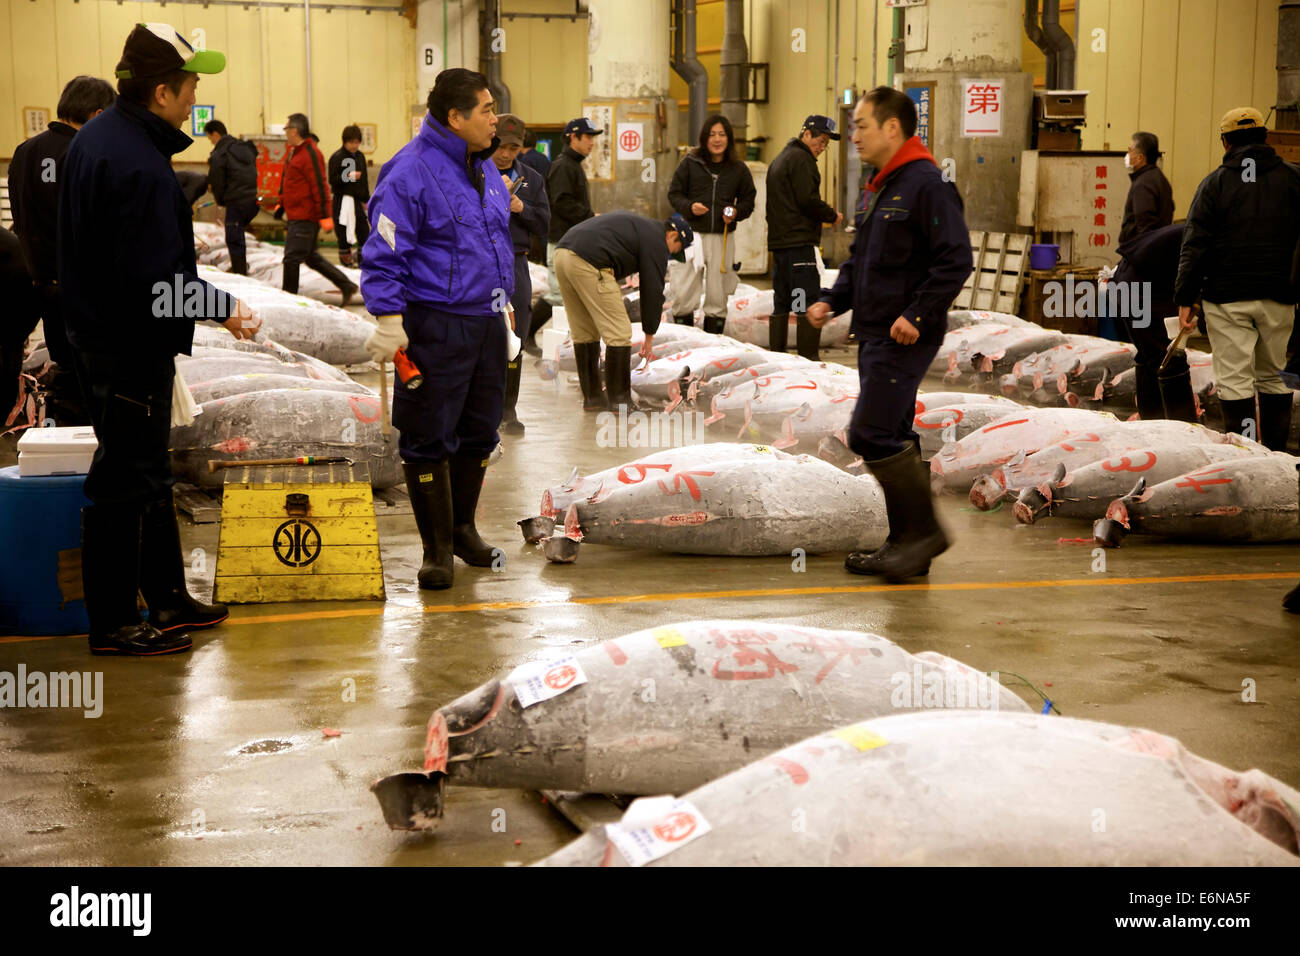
point(642, 841)
point(541, 680)
point(387, 230)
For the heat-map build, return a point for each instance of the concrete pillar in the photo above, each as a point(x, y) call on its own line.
point(627, 48)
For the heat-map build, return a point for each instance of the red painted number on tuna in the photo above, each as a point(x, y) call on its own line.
point(1126, 465)
point(684, 478)
point(634, 474)
point(1195, 480)
point(747, 651)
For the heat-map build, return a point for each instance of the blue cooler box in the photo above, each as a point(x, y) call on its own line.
point(39, 518)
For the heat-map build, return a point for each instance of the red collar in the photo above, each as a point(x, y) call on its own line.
point(909, 152)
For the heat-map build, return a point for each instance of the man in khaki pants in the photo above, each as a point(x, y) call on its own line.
point(1238, 250)
point(590, 261)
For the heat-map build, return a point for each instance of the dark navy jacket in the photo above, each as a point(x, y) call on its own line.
point(535, 220)
point(910, 256)
point(440, 221)
point(125, 228)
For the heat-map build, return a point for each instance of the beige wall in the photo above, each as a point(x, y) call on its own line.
point(360, 63)
point(545, 62)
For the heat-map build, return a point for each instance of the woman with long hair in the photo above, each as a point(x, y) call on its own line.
point(713, 190)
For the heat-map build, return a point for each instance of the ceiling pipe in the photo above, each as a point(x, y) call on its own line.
point(733, 63)
point(1061, 43)
point(490, 57)
point(686, 65)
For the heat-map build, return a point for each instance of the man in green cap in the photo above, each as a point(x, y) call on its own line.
point(131, 294)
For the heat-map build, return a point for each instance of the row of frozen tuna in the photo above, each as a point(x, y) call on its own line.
point(266, 263)
point(771, 744)
point(262, 400)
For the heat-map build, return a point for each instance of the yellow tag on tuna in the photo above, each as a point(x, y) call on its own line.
point(860, 737)
point(669, 637)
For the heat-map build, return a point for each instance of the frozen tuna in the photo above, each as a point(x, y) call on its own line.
point(964, 789)
point(285, 423)
point(1252, 499)
point(948, 423)
point(670, 708)
point(265, 381)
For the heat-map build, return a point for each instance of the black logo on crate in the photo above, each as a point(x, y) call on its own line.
point(297, 543)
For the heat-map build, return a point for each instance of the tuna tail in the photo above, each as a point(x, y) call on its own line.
point(536, 529)
point(1110, 530)
point(1101, 386)
point(1034, 501)
point(832, 449)
point(411, 801)
point(674, 395)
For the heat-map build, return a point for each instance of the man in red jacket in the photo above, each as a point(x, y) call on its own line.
point(305, 203)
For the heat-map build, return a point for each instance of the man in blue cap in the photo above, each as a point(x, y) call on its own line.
point(566, 188)
point(131, 293)
point(438, 271)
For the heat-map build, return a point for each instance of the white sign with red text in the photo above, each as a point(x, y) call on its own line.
point(541, 680)
point(981, 107)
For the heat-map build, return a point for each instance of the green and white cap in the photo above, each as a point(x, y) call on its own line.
point(154, 49)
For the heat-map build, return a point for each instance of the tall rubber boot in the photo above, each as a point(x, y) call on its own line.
point(808, 340)
point(162, 574)
point(1275, 424)
point(239, 263)
point(918, 536)
point(110, 574)
point(429, 487)
point(510, 423)
point(778, 333)
point(467, 472)
point(1236, 412)
point(618, 377)
point(714, 324)
point(1177, 397)
point(587, 355)
point(684, 319)
point(1147, 393)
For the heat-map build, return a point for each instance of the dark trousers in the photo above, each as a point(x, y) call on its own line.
point(796, 283)
point(888, 375)
point(362, 226)
point(458, 408)
point(300, 249)
point(522, 300)
point(130, 403)
point(238, 215)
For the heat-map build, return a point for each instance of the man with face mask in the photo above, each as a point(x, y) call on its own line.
point(1150, 202)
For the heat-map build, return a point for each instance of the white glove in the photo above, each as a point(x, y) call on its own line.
point(386, 339)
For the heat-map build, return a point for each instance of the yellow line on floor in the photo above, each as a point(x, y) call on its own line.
point(739, 593)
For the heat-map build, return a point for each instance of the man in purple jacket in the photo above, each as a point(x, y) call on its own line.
point(438, 271)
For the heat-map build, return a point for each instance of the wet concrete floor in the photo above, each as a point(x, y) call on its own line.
point(219, 756)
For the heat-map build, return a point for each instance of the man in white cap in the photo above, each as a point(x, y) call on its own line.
point(130, 293)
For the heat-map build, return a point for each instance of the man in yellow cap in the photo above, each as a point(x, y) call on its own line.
point(131, 295)
point(1238, 256)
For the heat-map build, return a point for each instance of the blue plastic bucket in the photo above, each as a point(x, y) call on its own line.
point(40, 517)
point(1044, 255)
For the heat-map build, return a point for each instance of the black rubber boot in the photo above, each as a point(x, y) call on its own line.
point(685, 319)
point(918, 536)
point(239, 264)
point(1236, 412)
point(510, 423)
point(466, 483)
point(587, 355)
point(778, 333)
point(541, 315)
point(110, 573)
point(1177, 397)
point(1275, 424)
point(1147, 393)
point(618, 378)
point(715, 324)
point(1292, 601)
point(162, 575)
point(429, 487)
point(808, 340)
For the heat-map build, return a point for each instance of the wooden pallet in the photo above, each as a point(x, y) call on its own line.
point(1001, 263)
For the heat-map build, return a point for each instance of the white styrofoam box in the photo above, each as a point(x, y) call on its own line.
point(559, 319)
point(552, 339)
point(65, 450)
point(33, 465)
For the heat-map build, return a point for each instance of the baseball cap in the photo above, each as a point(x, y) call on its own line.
point(581, 125)
point(1243, 117)
point(821, 126)
point(684, 232)
point(510, 129)
point(153, 49)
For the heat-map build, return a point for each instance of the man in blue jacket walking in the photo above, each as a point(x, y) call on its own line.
point(131, 294)
point(908, 262)
point(438, 271)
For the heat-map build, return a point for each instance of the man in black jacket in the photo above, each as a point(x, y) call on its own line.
point(1238, 254)
point(34, 198)
point(795, 216)
point(712, 190)
point(530, 215)
point(19, 317)
point(1150, 201)
point(591, 259)
point(131, 294)
point(566, 187)
point(909, 259)
point(232, 174)
point(348, 177)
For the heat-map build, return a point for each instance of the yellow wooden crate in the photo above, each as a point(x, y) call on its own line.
point(298, 533)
